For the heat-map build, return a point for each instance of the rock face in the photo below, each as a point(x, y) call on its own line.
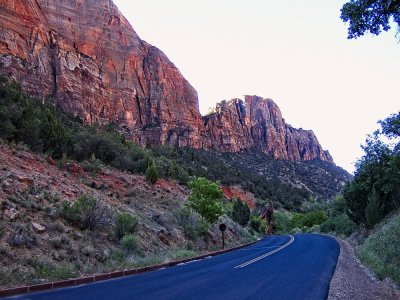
point(85, 56)
point(257, 123)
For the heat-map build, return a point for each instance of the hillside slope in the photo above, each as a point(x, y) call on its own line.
point(38, 243)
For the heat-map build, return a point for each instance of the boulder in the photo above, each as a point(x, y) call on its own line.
point(38, 228)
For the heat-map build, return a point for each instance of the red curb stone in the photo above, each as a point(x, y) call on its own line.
point(40, 287)
point(101, 277)
point(116, 274)
point(64, 283)
point(14, 291)
point(130, 272)
point(164, 265)
point(83, 280)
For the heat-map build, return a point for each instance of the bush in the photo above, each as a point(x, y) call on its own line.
point(282, 221)
point(240, 212)
point(193, 225)
point(44, 269)
point(381, 251)
point(339, 224)
point(125, 223)
point(308, 219)
point(255, 222)
point(93, 165)
point(87, 212)
point(129, 244)
point(152, 173)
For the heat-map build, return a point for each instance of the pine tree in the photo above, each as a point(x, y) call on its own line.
point(373, 211)
point(152, 174)
point(240, 212)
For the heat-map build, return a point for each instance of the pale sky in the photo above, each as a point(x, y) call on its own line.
point(295, 52)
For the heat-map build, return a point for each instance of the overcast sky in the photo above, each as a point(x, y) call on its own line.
point(295, 52)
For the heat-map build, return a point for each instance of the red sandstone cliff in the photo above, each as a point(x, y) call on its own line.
point(258, 123)
point(86, 56)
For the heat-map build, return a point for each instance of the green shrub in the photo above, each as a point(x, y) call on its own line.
point(282, 221)
point(129, 244)
point(46, 270)
point(339, 224)
point(176, 254)
point(308, 219)
point(152, 173)
point(193, 225)
point(92, 165)
point(125, 223)
point(255, 222)
point(381, 251)
point(87, 212)
point(240, 212)
point(263, 226)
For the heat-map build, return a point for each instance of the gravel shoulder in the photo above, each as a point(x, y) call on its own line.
point(353, 281)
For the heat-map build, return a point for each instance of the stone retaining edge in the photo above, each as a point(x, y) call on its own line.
point(105, 276)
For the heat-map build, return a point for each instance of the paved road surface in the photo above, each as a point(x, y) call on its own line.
point(301, 270)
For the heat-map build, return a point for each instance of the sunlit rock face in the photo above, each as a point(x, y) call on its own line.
point(257, 123)
point(86, 57)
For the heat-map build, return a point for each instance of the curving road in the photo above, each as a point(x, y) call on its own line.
point(277, 267)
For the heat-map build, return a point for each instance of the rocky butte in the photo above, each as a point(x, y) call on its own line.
point(86, 57)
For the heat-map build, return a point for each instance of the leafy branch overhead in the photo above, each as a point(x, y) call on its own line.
point(372, 16)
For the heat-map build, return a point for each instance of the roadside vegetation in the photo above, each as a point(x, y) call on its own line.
point(381, 251)
point(373, 197)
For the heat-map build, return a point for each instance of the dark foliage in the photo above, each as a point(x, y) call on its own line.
point(46, 129)
point(152, 174)
point(370, 16)
point(240, 212)
point(88, 213)
point(258, 173)
point(375, 190)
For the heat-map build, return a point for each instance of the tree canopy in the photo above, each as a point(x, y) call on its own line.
point(370, 16)
point(375, 190)
point(206, 199)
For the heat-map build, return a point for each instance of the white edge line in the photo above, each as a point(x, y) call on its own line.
point(266, 254)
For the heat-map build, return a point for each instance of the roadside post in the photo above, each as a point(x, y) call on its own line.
point(222, 227)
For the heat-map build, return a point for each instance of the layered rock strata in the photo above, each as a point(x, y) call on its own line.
point(257, 123)
point(85, 56)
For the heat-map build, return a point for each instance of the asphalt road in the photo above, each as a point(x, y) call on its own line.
point(301, 270)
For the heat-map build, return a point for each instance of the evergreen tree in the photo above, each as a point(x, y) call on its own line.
point(373, 211)
point(152, 174)
point(240, 212)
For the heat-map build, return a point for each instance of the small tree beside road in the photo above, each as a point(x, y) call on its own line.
point(206, 199)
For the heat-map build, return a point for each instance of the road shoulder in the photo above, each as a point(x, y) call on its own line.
point(353, 281)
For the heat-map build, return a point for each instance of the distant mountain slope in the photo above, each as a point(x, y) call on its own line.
point(287, 183)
